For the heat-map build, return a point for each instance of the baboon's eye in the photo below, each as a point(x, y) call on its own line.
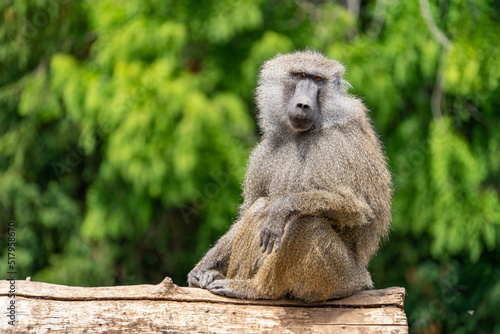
point(301, 75)
point(318, 78)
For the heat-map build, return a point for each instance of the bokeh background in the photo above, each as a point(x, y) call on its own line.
point(125, 127)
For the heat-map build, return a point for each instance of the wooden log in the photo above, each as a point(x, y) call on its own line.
point(167, 308)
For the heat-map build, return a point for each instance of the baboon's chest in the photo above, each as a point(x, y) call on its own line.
point(298, 169)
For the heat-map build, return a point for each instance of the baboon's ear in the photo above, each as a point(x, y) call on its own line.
point(345, 85)
point(337, 81)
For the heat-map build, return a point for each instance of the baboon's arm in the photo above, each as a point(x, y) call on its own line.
point(214, 264)
point(343, 207)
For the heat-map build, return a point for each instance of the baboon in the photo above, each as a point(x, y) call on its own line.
point(317, 192)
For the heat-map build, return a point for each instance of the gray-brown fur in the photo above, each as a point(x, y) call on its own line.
point(316, 201)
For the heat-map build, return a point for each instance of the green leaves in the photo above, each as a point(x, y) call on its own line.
point(229, 18)
point(466, 213)
point(140, 39)
point(37, 100)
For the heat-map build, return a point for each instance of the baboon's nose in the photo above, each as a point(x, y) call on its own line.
point(304, 103)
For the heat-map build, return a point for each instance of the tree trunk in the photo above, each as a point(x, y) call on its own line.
point(37, 307)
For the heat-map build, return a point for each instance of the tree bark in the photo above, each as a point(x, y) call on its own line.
point(166, 308)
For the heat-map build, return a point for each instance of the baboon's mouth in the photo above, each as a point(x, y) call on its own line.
point(300, 124)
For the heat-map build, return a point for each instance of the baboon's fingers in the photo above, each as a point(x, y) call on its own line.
point(263, 240)
point(208, 277)
point(267, 243)
point(193, 278)
point(204, 281)
point(264, 247)
point(277, 244)
point(270, 239)
point(194, 282)
point(221, 287)
point(270, 246)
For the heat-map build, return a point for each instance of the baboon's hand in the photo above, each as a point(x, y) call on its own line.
point(270, 236)
point(274, 227)
point(201, 279)
point(221, 287)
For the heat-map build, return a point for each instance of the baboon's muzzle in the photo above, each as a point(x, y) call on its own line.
point(302, 107)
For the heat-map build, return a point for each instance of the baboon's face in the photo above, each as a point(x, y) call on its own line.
point(300, 92)
point(303, 106)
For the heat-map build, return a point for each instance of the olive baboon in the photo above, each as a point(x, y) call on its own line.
point(317, 193)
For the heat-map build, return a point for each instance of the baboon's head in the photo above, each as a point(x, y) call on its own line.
point(300, 92)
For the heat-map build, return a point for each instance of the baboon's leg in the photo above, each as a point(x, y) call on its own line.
point(321, 264)
point(247, 259)
point(246, 256)
point(313, 264)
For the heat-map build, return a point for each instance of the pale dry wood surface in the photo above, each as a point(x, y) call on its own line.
point(167, 308)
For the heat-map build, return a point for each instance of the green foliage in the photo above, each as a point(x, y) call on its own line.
point(125, 127)
point(466, 214)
